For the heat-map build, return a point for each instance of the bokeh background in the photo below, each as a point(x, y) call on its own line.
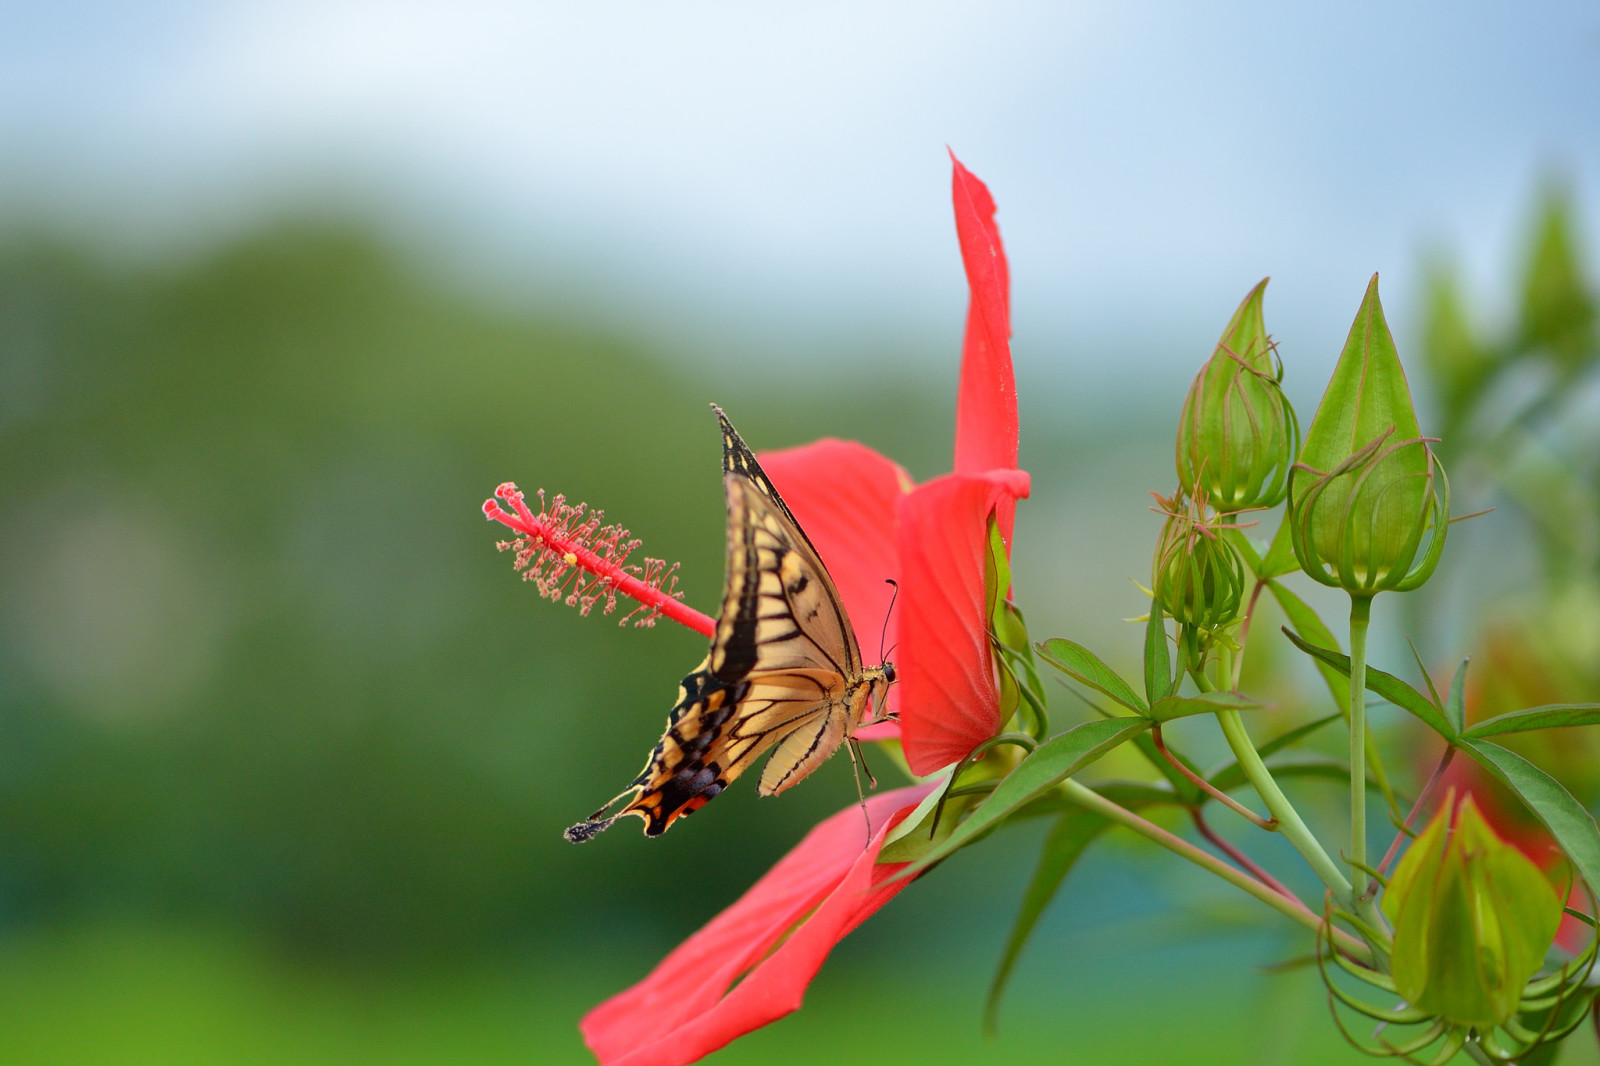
point(286, 289)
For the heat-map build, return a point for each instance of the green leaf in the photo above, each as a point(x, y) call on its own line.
point(1231, 771)
point(1131, 794)
point(1079, 662)
point(1455, 704)
point(1388, 686)
point(1366, 397)
point(1051, 763)
point(1572, 826)
point(1205, 703)
point(1157, 659)
point(1279, 559)
point(1309, 625)
point(1231, 777)
point(1247, 551)
point(1549, 717)
point(1072, 834)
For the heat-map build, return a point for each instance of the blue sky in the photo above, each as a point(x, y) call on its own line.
point(770, 179)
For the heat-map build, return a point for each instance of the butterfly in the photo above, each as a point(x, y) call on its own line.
point(784, 672)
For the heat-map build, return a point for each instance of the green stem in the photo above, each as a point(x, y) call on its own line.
point(1278, 805)
point(1089, 799)
point(1360, 612)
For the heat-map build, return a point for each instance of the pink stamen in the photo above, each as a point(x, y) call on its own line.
point(569, 555)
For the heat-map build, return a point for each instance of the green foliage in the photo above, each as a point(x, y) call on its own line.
point(1057, 759)
point(1068, 839)
point(1076, 661)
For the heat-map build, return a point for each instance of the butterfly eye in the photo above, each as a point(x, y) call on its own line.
point(888, 672)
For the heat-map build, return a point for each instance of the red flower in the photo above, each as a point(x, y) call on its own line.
point(869, 522)
point(828, 884)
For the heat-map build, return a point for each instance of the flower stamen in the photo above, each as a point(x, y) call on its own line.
point(571, 556)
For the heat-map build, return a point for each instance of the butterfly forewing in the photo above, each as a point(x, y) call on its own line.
point(784, 668)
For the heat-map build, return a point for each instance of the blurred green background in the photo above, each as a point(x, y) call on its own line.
point(288, 747)
point(287, 290)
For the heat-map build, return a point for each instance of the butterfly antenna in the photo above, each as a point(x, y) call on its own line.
point(883, 638)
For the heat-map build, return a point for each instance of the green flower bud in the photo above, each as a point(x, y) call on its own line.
point(1198, 577)
point(1368, 489)
point(1473, 918)
point(1238, 433)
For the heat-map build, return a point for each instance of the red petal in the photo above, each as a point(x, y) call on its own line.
point(847, 497)
point(986, 405)
point(684, 1010)
point(948, 703)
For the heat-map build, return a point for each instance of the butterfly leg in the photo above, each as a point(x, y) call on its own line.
point(858, 762)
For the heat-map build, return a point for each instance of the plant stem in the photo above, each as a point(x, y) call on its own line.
point(1289, 822)
point(1292, 908)
point(1360, 612)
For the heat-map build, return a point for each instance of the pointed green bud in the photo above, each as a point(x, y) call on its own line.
point(1368, 491)
point(1198, 577)
point(1473, 918)
point(1238, 434)
point(1558, 308)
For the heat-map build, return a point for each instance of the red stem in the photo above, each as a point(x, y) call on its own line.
point(1208, 788)
point(1242, 860)
point(1416, 808)
point(528, 524)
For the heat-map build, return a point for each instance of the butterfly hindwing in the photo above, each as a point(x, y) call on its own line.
point(784, 671)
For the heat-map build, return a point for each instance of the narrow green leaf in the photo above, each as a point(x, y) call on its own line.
point(1053, 762)
point(1572, 826)
point(1548, 717)
point(1388, 686)
point(1204, 703)
point(1231, 771)
point(1072, 834)
point(1307, 623)
point(1279, 559)
point(1455, 704)
point(1231, 777)
point(1157, 659)
point(1295, 735)
point(1074, 659)
point(1130, 794)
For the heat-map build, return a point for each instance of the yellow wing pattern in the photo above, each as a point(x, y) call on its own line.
point(784, 671)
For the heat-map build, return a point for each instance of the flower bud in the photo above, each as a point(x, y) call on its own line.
point(1238, 434)
point(1198, 577)
point(1473, 918)
point(1368, 489)
point(1360, 526)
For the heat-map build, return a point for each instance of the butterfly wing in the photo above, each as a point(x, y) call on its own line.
point(779, 672)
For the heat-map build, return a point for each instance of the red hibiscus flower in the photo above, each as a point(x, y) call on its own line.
point(869, 523)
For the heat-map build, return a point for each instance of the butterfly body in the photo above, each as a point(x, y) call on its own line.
point(784, 672)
